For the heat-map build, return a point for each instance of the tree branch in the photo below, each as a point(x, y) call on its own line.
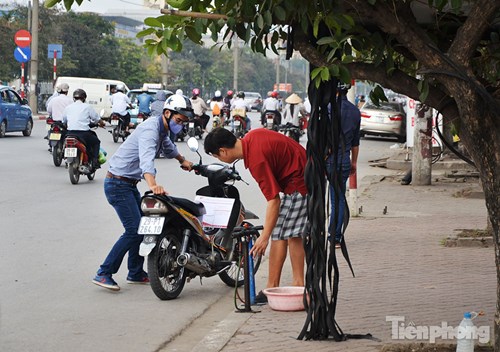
point(469, 35)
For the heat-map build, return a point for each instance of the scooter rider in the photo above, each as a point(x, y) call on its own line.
point(199, 108)
point(272, 105)
point(240, 103)
point(77, 117)
point(144, 99)
point(120, 103)
point(133, 161)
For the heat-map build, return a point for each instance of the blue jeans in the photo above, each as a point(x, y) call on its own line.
point(126, 200)
point(345, 167)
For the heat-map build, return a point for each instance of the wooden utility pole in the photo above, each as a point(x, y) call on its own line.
point(422, 149)
point(236, 57)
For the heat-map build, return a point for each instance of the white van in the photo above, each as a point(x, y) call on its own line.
point(98, 91)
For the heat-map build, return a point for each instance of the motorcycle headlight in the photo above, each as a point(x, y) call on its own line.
point(153, 206)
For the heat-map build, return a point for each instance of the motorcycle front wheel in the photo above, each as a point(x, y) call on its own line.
point(57, 154)
point(73, 169)
point(167, 278)
point(234, 275)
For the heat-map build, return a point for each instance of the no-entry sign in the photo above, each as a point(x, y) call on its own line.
point(22, 38)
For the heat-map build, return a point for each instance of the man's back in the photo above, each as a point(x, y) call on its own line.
point(120, 103)
point(57, 105)
point(144, 100)
point(79, 115)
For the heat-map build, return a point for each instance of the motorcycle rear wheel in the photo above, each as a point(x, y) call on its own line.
point(166, 277)
point(116, 134)
point(57, 154)
point(74, 172)
point(228, 276)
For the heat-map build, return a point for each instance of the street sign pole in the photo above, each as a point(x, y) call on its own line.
point(55, 66)
point(22, 80)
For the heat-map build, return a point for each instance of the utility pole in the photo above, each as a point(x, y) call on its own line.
point(421, 167)
point(236, 55)
point(34, 58)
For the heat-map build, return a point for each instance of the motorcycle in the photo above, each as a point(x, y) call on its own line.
point(77, 159)
point(194, 127)
point(292, 131)
point(271, 121)
point(56, 136)
point(179, 247)
point(239, 122)
point(118, 128)
point(141, 117)
point(216, 121)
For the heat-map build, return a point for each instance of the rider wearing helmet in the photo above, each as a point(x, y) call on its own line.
point(240, 103)
point(120, 103)
point(144, 99)
point(199, 108)
point(131, 163)
point(216, 104)
point(271, 105)
point(78, 116)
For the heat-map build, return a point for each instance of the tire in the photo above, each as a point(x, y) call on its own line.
point(28, 129)
point(74, 173)
point(91, 176)
point(57, 154)
point(229, 276)
point(3, 129)
point(167, 278)
point(115, 134)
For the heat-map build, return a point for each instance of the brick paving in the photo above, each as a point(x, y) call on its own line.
point(401, 267)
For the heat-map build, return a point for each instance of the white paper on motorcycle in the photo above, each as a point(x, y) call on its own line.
point(55, 137)
point(218, 211)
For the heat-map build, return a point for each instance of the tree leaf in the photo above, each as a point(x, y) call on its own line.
point(325, 74)
point(153, 22)
point(193, 34)
point(280, 13)
point(325, 40)
point(145, 32)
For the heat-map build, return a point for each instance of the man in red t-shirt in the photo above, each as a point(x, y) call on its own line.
point(277, 163)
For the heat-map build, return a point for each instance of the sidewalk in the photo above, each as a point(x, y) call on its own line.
point(402, 269)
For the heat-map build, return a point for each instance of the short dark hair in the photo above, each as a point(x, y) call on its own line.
point(219, 138)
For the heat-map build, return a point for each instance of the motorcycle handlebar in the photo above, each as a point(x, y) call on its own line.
point(229, 173)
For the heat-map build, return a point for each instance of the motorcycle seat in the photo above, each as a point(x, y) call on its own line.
point(197, 209)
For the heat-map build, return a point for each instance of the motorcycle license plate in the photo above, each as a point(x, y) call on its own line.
point(270, 122)
point(150, 225)
point(191, 125)
point(55, 137)
point(139, 120)
point(70, 152)
point(114, 122)
point(237, 122)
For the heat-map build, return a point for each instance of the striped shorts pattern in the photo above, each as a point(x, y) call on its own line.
point(292, 218)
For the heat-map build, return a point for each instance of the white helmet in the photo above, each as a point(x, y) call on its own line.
point(218, 93)
point(179, 104)
point(120, 88)
point(179, 92)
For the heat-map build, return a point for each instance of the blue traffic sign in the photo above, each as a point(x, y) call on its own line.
point(22, 54)
point(55, 48)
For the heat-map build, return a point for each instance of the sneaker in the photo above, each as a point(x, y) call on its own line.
point(261, 298)
point(142, 281)
point(106, 282)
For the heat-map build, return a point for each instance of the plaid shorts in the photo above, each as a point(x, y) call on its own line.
point(292, 218)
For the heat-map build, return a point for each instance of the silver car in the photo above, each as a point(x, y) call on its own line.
point(387, 119)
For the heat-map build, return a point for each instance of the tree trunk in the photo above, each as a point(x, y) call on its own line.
point(422, 148)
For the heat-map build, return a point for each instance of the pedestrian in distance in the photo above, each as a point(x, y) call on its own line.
point(132, 162)
point(277, 163)
point(350, 119)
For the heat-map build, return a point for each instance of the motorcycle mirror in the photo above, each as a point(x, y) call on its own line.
point(193, 144)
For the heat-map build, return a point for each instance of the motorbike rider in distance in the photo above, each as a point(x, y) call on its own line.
point(120, 103)
point(216, 104)
point(199, 108)
point(144, 99)
point(271, 105)
point(240, 103)
point(77, 117)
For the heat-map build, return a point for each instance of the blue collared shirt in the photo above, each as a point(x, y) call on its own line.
point(79, 115)
point(144, 100)
point(136, 155)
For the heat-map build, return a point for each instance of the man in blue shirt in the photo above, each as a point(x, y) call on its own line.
point(350, 120)
point(133, 161)
point(145, 100)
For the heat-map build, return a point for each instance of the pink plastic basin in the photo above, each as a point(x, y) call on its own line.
point(287, 298)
